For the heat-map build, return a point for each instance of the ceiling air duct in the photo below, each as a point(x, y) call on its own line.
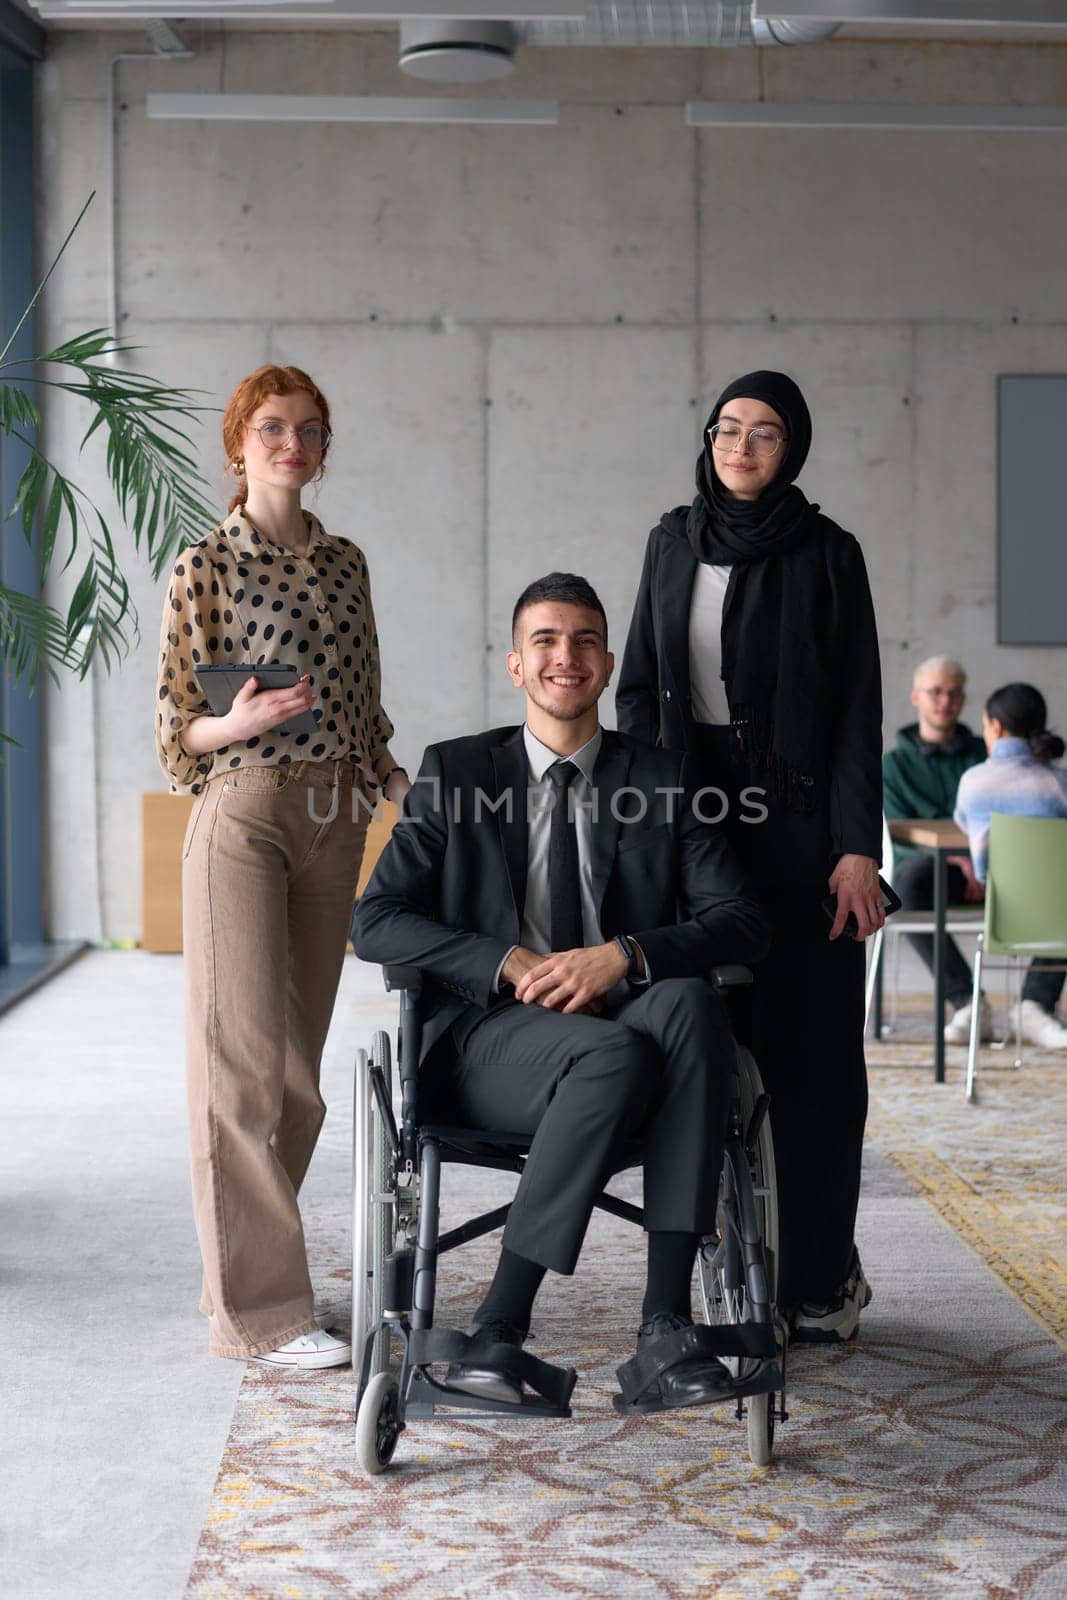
point(787, 30)
point(739, 25)
point(457, 52)
point(703, 24)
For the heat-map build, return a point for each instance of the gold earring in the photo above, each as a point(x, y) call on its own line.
point(238, 464)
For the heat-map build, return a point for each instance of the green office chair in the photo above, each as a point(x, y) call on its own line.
point(1025, 903)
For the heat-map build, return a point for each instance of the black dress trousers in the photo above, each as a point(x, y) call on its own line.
point(653, 1075)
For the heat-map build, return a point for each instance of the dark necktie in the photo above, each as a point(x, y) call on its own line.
point(564, 875)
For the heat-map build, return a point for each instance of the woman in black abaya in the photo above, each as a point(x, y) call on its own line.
point(753, 648)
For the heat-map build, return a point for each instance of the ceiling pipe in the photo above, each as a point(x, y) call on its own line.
point(786, 30)
point(167, 45)
point(765, 31)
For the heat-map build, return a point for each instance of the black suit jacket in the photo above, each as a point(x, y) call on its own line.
point(447, 894)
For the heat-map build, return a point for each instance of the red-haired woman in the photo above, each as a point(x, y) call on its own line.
point(271, 854)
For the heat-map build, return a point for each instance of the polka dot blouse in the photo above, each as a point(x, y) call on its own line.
point(237, 596)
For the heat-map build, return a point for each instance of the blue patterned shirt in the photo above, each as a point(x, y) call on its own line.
point(1013, 781)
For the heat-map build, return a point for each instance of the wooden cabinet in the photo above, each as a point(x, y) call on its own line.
point(163, 822)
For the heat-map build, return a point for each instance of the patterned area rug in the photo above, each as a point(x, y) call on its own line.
point(926, 1460)
point(996, 1171)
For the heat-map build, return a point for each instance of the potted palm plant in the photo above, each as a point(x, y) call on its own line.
point(143, 426)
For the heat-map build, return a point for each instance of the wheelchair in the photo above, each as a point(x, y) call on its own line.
point(397, 1242)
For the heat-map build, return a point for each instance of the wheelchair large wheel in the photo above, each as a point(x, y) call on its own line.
point(722, 1280)
point(722, 1277)
point(374, 1199)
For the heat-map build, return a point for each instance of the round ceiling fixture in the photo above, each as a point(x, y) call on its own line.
point(457, 52)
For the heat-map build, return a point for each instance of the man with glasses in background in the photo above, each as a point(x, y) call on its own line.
point(920, 778)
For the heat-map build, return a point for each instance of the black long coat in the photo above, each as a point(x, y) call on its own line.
point(653, 703)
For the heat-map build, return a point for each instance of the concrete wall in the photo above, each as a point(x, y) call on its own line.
point(520, 328)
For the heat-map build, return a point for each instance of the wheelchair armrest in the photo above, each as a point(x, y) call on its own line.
point(731, 976)
point(409, 978)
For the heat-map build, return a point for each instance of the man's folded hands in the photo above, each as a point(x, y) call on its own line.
point(571, 981)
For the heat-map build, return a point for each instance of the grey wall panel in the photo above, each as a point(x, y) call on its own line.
point(1031, 510)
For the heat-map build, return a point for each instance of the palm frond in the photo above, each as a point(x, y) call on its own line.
point(39, 291)
point(148, 431)
point(148, 454)
point(32, 635)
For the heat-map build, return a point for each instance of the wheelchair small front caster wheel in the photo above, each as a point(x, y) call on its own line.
point(760, 1428)
point(378, 1423)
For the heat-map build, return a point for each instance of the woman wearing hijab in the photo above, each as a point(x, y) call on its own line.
point(753, 648)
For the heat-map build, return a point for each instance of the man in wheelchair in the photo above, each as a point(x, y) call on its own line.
point(557, 886)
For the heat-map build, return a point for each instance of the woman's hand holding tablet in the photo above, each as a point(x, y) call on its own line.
point(255, 700)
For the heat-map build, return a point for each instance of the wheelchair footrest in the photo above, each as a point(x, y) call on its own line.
point(552, 1386)
point(426, 1398)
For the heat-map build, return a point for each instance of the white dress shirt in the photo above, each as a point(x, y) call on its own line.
point(537, 909)
point(536, 914)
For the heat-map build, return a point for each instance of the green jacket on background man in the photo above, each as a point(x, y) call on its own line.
point(920, 779)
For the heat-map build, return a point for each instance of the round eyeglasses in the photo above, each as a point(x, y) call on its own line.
point(727, 436)
point(313, 435)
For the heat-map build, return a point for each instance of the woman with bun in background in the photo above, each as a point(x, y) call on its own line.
point(271, 855)
point(1019, 780)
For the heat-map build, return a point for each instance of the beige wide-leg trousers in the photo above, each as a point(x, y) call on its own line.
point(271, 859)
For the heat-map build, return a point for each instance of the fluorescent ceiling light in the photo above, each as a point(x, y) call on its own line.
point(1005, 13)
point(348, 108)
point(963, 119)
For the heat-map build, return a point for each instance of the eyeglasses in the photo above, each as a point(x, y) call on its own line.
point(273, 435)
point(727, 436)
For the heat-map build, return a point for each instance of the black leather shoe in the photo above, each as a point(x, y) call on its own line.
point(689, 1382)
point(484, 1382)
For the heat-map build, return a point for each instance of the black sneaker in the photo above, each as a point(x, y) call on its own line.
point(838, 1320)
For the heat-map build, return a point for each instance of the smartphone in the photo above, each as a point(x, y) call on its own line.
point(890, 902)
point(221, 683)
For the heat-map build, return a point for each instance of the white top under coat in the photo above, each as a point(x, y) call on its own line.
point(706, 688)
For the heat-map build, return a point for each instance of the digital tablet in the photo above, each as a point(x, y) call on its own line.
point(221, 683)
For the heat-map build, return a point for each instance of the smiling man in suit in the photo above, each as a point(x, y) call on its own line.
point(559, 888)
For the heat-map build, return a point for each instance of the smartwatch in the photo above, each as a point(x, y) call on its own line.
point(629, 950)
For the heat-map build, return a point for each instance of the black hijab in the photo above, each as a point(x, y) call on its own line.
point(777, 662)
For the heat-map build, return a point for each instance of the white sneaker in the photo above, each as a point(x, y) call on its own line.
point(838, 1320)
point(308, 1351)
point(1039, 1026)
point(958, 1027)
